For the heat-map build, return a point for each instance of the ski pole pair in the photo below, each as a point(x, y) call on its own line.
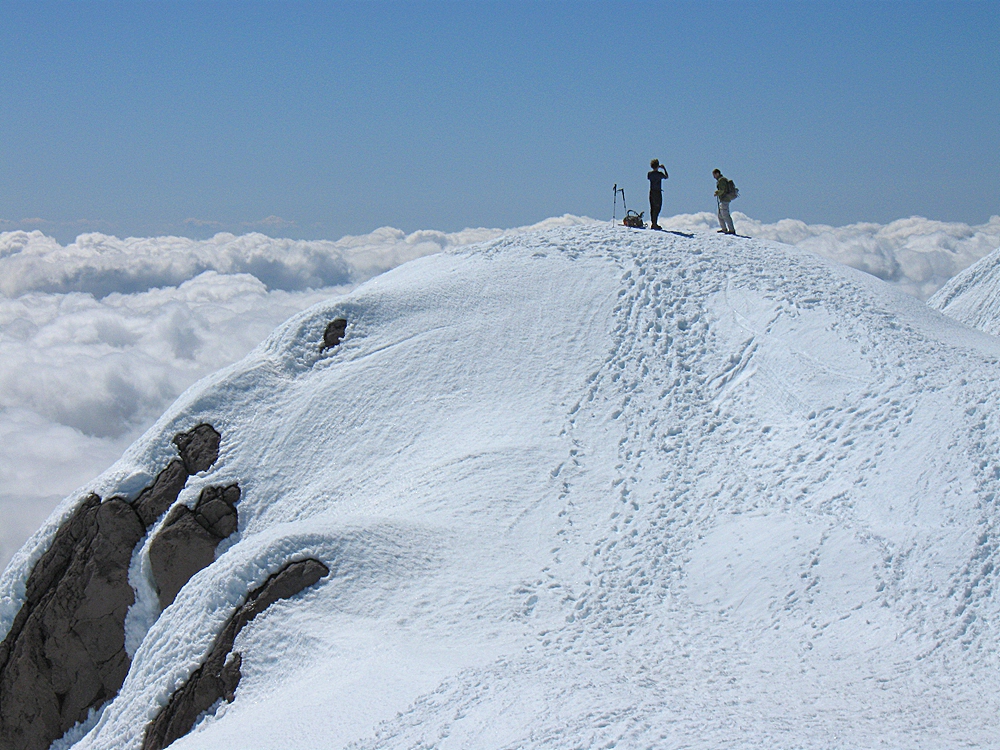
point(614, 208)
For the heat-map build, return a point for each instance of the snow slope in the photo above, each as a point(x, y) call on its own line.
point(973, 296)
point(99, 337)
point(593, 487)
point(916, 254)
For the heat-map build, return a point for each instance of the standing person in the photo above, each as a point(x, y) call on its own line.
point(656, 176)
point(724, 192)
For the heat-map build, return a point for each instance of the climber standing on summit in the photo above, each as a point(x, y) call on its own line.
point(725, 191)
point(656, 176)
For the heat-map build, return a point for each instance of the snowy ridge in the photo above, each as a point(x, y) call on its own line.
point(594, 487)
point(916, 254)
point(973, 296)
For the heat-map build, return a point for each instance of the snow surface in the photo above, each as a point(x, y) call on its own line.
point(916, 254)
point(973, 296)
point(593, 487)
point(98, 337)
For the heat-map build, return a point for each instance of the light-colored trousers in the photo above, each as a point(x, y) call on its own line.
point(725, 220)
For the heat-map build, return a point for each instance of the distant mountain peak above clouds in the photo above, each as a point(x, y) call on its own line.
point(584, 486)
point(973, 296)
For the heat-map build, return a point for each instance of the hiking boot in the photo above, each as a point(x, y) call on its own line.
point(721, 231)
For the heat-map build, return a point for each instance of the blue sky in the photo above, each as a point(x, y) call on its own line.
point(335, 118)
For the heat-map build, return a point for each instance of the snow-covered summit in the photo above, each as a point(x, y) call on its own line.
point(589, 487)
point(973, 296)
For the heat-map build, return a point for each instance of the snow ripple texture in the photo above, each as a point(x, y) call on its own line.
point(593, 487)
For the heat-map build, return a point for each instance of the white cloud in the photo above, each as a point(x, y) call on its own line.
point(272, 221)
point(202, 223)
point(99, 264)
point(99, 336)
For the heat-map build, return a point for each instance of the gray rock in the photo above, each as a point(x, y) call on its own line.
point(199, 447)
point(66, 653)
point(219, 675)
point(178, 551)
point(216, 509)
point(154, 501)
point(334, 333)
point(187, 540)
point(284, 584)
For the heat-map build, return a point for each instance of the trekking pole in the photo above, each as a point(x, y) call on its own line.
point(614, 210)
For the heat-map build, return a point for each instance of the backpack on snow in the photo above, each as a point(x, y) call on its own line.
point(633, 219)
point(732, 193)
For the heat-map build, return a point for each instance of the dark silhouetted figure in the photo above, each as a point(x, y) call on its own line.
point(656, 175)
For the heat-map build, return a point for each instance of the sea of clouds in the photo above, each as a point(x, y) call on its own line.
point(99, 336)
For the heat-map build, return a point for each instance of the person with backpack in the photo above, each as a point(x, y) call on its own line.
point(725, 191)
point(656, 175)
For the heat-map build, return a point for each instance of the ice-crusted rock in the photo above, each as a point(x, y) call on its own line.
point(219, 674)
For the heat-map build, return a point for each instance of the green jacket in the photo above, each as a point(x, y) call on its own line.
point(721, 188)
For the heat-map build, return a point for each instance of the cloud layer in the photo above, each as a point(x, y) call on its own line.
point(99, 336)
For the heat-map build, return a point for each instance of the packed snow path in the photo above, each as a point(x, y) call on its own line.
point(593, 487)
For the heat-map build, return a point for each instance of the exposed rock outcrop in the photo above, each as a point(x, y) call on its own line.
point(65, 651)
point(199, 447)
point(187, 540)
point(219, 675)
point(334, 333)
point(162, 493)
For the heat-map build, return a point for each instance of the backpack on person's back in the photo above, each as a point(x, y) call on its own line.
point(732, 192)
